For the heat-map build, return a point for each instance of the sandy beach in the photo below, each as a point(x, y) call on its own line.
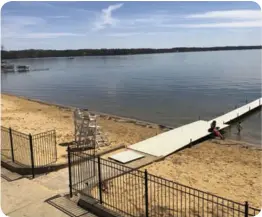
point(32, 117)
point(225, 168)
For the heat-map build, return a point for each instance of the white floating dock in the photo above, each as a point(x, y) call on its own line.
point(238, 112)
point(168, 142)
point(173, 140)
point(126, 156)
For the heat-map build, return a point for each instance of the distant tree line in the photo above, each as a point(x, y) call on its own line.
point(37, 53)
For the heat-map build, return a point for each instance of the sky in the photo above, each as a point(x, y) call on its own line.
point(80, 25)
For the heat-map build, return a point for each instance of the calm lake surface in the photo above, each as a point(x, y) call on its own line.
point(171, 89)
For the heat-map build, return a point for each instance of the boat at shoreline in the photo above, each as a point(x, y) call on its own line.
point(23, 68)
point(7, 67)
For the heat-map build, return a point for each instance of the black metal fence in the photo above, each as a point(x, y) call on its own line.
point(131, 192)
point(28, 150)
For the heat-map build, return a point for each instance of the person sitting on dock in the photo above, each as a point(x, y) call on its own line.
point(214, 129)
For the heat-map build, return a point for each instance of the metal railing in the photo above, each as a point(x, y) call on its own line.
point(131, 192)
point(44, 148)
point(26, 150)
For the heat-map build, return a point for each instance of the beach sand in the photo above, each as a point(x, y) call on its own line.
point(32, 117)
point(225, 168)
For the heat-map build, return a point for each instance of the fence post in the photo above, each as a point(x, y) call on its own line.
point(100, 180)
point(246, 209)
point(146, 192)
point(69, 171)
point(11, 144)
point(32, 155)
point(55, 146)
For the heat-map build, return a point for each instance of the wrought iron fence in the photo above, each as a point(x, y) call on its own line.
point(34, 151)
point(44, 147)
point(131, 192)
point(20, 147)
point(5, 143)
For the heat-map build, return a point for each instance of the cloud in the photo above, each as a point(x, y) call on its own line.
point(34, 4)
point(13, 25)
point(233, 14)
point(39, 35)
point(48, 35)
point(105, 18)
point(58, 17)
point(51, 35)
point(244, 24)
point(22, 20)
point(126, 34)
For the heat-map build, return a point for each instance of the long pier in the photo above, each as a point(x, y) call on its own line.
point(168, 142)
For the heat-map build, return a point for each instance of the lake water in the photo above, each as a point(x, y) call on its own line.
point(170, 89)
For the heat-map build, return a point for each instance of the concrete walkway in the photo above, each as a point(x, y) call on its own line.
point(31, 198)
point(56, 181)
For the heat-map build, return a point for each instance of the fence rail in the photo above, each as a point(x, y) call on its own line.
point(135, 193)
point(34, 151)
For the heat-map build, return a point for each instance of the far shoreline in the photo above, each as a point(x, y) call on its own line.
point(71, 53)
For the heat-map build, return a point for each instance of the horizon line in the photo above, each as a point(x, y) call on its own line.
point(134, 48)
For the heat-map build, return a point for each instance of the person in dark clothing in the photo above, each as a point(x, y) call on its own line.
point(239, 128)
point(212, 126)
point(214, 129)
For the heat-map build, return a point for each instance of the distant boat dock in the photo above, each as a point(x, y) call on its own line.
point(169, 142)
point(9, 67)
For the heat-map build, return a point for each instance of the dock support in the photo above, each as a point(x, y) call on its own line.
point(190, 143)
